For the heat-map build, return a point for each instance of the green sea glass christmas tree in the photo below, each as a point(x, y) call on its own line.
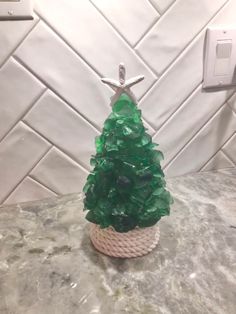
point(126, 188)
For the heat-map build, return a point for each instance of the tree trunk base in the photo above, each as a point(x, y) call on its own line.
point(137, 242)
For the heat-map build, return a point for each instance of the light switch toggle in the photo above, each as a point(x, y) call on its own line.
point(223, 54)
point(223, 49)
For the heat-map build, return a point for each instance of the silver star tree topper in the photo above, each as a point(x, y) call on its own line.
point(122, 86)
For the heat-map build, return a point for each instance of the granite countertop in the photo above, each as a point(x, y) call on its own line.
point(48, 266)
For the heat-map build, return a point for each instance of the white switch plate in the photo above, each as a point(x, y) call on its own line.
point(220, 57)
point(16, 9)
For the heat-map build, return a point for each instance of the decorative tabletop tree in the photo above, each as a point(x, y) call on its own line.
point(125, 193)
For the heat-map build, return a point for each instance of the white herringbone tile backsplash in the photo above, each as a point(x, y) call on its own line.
point(52, 104)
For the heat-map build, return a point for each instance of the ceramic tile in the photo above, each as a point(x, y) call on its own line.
point(166, 40)
point(162, 5)
point(218, 161)
point(210, 138)
point(66, 73)
point(77, 42)
point(60, 173)
point(29, 190)
point(19, 152)
point(230, 147)
point(190, 118)
point(11, 34)
point(159, 103)
point(64, 127)
point(182, 78)
point(132, 18)
point(18, 89)
point(87, 31)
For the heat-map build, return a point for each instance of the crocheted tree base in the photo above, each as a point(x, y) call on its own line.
point(137, 242)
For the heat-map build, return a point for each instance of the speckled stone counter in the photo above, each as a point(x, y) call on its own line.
point(48, 266)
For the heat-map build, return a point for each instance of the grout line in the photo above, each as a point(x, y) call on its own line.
point(172, 3)
point(43, 184)
point(220, 149)
point(119, 34)
point(34, 165)
point(198, 34)
point(201, 29)
point(37, 98)
point(208, 160)
point(176, 60)
point(195, 135)
point(149, 66)
point(65, 155)
point(234, 111)
point(57, 94)
point(18, 45)
point(81, 57)
point(87, 63)
point(182, 104)
point(148, 90)
point(227, 156)
point(153, 25)
point(187, 47)
point(39, 183)
point(155, 8)
point(84, 167)
point(60, 97)
point(234, 133)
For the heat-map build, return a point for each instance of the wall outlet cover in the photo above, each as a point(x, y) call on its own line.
point(220, 57)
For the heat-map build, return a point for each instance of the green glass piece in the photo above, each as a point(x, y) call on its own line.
point(124, 223)
point(91, 217)
point(146, 139)
point(99, 144)
point(158, 191)
point(157, 156)
point(124, 106)
point(148, 219)
point(127, 131)
point(123, 184)
point(126, 188)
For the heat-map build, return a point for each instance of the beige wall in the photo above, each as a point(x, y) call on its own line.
point(52, 103)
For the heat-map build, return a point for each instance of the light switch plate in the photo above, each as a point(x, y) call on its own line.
point(220, 57)
point(16, 9)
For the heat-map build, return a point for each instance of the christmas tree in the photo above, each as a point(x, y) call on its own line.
point(126, 188)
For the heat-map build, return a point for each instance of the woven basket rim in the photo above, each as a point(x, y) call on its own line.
point(134, 243)
point(111, 228)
